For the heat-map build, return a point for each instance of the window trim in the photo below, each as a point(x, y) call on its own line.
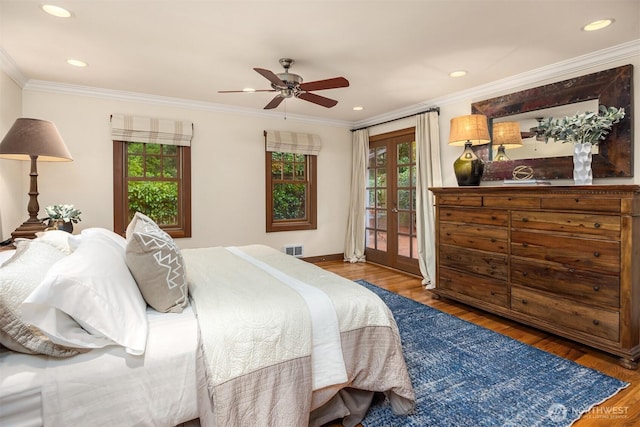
point(120, 220)
point(311, 223)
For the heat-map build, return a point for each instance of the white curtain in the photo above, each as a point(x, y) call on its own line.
point(429, 175)
point(355, 239)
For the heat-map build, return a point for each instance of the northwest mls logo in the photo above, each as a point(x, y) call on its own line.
point(557, 412)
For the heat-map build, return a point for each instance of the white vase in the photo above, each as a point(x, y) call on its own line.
point(582, 174)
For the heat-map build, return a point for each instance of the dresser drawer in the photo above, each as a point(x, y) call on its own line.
point(478, 262)
point(498, 218)
point(568, 314)
point(459, 200)
point(493, 239)
point(582, 286)
point(574, 223)
point(482, 288)
point(511, 202)
point(572, 252)
point(578, 203)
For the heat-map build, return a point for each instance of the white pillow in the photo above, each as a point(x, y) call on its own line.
point(19, 276)
point(90, 300)
point(75, 239)
point(56, 238)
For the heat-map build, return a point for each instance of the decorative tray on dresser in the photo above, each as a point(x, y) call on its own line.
point(562, 259)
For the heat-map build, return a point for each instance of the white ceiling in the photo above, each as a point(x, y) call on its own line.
point(395, 54)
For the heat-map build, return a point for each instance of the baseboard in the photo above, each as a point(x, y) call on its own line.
point(320, 258)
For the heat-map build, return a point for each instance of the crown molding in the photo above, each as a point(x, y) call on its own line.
point(119, 95)
point(9, 66)
point(581, 63)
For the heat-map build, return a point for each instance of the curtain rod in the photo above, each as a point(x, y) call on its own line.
point(429, 110)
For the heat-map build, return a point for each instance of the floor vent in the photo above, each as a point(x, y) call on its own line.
point(295, 250)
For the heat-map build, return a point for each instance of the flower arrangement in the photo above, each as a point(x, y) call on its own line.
point(66, 213)
point(584, 128)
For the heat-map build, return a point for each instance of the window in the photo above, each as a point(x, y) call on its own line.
point(291, 191)
point(152, 173)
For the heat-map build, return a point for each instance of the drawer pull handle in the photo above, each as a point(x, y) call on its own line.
point(596, 322)
point(525, 219)
point(596, 225)
point(596, 288)
point(571, 270)
point(493, 240)
point(493, 217)
point(596, 254)
point(524, 301)
point(492, 293)
point(525, 245)
point(524, 273)
point(448, 214)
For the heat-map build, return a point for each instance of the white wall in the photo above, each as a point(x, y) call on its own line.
point(228, 158)
point(13, 173)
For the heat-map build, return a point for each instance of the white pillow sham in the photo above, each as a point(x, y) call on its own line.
point(19, 276)
point(89, 299)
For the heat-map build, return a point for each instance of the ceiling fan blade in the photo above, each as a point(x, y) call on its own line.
point(274, 103)
point(317, 99)
point(246, 91)
point(269, 75)
point(333, 83)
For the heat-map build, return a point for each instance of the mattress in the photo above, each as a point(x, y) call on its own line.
point(107, 386)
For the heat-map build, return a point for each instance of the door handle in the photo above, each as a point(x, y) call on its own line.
point(394, 210)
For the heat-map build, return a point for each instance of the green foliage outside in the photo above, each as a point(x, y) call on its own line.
point(158, 200)
point(155, 198)
point(289, 198)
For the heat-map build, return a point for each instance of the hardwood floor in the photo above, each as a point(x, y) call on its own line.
point(621, 410)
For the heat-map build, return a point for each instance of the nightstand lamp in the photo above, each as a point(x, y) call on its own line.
point(33, 139)
point(469, 130)
point(506, 135)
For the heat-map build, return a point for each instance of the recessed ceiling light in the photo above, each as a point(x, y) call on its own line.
point(57, 11)
point(598, 25)
point(458, 73)
point(248, 89)
point(76, 63)
point(358, 108)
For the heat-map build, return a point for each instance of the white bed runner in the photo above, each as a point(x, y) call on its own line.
point(326, 353)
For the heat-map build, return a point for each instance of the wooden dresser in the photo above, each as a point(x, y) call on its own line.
point(562, 259)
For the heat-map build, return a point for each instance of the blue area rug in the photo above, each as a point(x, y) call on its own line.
point(467, 375)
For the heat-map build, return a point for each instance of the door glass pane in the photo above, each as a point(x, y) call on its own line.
point(371, 218)
point(371, 239)
point(381, 199)
point(381, 156)
point(404, 222)
point(404, 153)
point(381, 220)
point(381, 241)
point(381, 177)
point(403, 176)
point(404, 199)
point(404, 248)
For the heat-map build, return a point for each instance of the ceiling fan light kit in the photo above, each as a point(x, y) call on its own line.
point(290, 85)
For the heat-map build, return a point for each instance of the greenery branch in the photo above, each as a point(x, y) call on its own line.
point(585, 128)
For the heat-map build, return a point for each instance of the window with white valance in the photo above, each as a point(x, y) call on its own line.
point(151, 130)
point(293, 142)
point(152, 172)
point(291, 180)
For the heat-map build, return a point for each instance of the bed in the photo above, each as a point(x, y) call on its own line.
point(219, 336)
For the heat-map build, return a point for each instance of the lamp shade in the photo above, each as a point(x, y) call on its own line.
point(472, 128)
point(507, 134)
point(34, 137)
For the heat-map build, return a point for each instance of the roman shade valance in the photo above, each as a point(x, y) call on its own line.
point(293, 142)
point(150, 130)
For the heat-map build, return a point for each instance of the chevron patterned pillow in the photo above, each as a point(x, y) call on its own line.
point(156, 264)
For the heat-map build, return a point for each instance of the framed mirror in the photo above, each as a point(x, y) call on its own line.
point(612, 88)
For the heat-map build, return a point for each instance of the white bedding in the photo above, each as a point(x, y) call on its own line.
point(107, 386)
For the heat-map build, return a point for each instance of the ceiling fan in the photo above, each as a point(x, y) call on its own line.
point(291, 85)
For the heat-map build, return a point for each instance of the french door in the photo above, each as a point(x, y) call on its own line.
point(391, 201)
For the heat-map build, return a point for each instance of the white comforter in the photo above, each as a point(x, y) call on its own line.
point(256, 331)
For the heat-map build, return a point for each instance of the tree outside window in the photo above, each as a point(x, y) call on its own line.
point(291, 191)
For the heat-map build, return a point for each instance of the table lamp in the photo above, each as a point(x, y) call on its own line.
point(33, 139)
point(506, 135)
point(469, 130)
